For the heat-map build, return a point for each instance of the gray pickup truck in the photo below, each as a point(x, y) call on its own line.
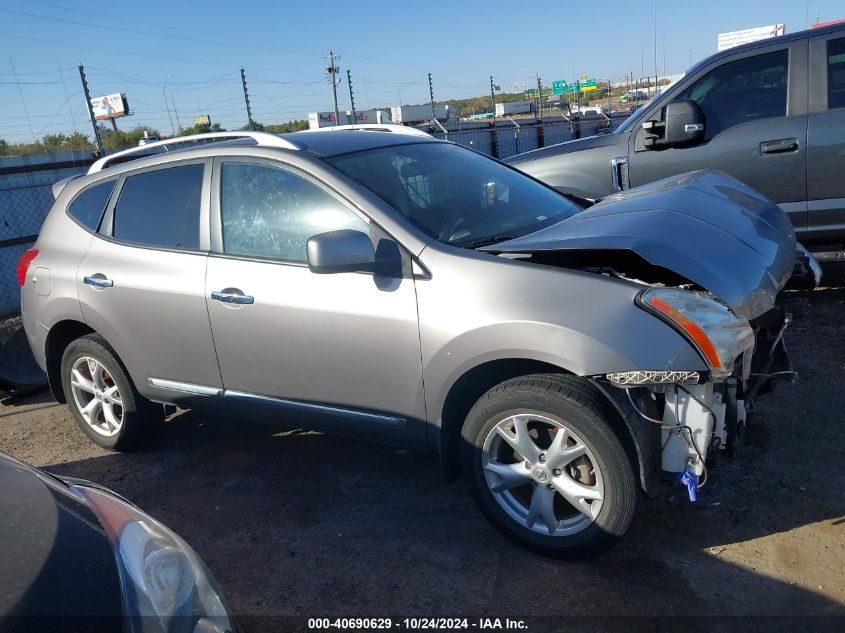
point(770, 113)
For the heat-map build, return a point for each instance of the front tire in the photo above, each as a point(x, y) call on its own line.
point(102, 397)
point(544, 465)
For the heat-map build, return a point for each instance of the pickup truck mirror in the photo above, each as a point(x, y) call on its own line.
point(683, 124)
point(341, 252)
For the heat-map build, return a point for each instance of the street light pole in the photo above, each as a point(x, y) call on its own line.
point(167, 105)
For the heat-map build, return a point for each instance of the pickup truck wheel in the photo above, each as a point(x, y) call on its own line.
point(546, 468)
point(102, 398)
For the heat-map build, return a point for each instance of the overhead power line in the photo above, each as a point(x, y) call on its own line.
point(119, 29)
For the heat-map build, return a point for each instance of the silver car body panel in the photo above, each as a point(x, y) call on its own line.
point(478, 308)
point(370, 356)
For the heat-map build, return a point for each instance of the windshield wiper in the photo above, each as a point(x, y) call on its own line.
point(486, 241)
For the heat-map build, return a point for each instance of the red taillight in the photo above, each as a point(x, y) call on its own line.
point(24, 262)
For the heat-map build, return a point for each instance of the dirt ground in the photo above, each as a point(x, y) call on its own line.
point(296, 523)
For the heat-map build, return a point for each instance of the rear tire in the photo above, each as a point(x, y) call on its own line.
point(545, 466)
point(102, 397)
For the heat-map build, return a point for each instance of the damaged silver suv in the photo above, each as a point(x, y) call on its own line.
point(382, 284)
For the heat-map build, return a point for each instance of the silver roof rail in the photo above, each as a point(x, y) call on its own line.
point(373, 127)
point(264, 139)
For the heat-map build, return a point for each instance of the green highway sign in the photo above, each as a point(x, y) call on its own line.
point(531, 92)
point(573, 87)
point(558, 87)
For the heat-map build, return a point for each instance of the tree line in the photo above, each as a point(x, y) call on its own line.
point(121, 139)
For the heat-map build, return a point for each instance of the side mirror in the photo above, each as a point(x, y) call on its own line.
point(342, 251)
point(683, 124)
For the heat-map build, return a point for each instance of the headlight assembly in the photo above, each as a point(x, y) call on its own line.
point(166, 586)
point(718, 335)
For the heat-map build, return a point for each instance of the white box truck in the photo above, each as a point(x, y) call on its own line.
point(369, 116)
point(514, 107)
point(412, 114)
point(317, 120)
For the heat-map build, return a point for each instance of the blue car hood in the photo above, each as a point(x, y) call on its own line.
point(704, 226)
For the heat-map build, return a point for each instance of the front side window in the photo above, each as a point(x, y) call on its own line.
point(87, 208)
point(453, 194)
point(741, 91)
point(160, 208)
point(836, 74)
point(268, 211)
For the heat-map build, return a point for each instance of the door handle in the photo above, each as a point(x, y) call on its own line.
point(98, 281)
point(232, 297)
point(780, 146)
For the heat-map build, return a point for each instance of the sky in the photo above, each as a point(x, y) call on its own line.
point(189, 53)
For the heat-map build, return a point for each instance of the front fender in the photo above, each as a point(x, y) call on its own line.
point(644, 343)
point(497, 309)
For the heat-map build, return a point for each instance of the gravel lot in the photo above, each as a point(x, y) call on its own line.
point(298, 523)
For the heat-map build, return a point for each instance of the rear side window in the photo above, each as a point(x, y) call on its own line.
point(741, 91)
point(836, 74)
point(87, 208)
point(161, 208)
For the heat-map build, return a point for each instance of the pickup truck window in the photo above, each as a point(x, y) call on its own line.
point(836, 74)
point(740, 91)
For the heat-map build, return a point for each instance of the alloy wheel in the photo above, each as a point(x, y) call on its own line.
point(542, 474)
point(96, 396)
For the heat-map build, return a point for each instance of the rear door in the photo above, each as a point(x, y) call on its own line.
point(826, 139)
point(141, 283)
point(755, 109)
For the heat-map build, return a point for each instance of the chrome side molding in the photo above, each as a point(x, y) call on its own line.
point(279, 403)
point(185, 387)
point(310, 407)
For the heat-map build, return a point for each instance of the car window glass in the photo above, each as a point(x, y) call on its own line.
point(161, 208)
point(272, 212)
point(88, 207)
point(453, 194)
point(741, 91)
point(836, 73)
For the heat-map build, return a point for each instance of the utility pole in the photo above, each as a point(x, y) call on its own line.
point(250, 123)
point(539, 96)
point(351, 96)
point(333, 70)
point(493, 99)
point(655, 47)
point(431, 97)
point(90, 109)
point(175, 111)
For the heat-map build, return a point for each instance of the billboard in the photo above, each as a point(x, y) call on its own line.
point(202, 119)
point(109, 106)
point(735, 38)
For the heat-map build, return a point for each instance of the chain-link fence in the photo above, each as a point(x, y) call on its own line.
point(21, 213)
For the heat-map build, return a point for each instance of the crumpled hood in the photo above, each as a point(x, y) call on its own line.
point(705, 226)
